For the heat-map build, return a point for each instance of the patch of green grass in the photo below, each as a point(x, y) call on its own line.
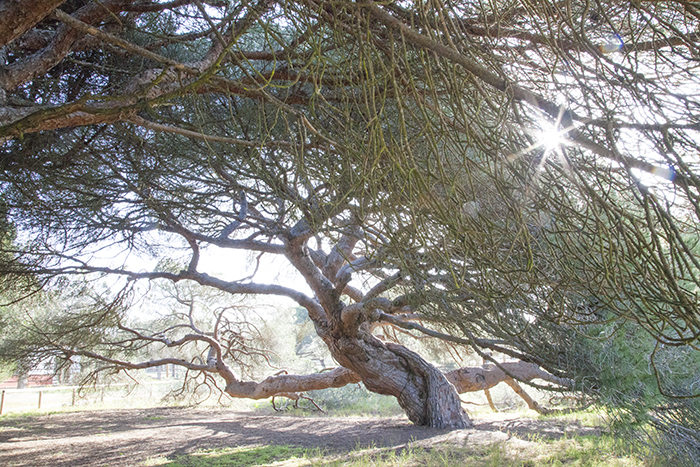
point(349, 401)
point(591, 416)
point(585, 451)
point(495, 455)
point(233, 457)
point(29, 414)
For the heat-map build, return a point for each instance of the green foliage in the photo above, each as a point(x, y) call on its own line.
point(232, 457)
point(413, 126)
point(7, 369)
point(355, 400)
point(575, 452)
point(650, 392)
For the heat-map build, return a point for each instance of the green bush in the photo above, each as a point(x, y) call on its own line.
point(353, 400)
point(647, 389)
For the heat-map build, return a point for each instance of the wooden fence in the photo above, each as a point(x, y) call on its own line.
point(56, 397)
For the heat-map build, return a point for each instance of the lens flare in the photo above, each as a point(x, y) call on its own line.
point(613, 44)
point(550, 137)
point(667, 173)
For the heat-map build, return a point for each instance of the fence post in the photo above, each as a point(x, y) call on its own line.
point(72, 401)
point(39, 407)
point(2, 401)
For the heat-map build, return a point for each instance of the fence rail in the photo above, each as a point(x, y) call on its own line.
point(52, 397)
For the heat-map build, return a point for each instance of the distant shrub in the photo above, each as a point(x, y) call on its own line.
point(355, 400)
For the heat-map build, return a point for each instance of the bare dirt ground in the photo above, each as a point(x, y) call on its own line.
point(131, 437)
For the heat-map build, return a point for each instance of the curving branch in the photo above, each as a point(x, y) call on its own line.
point(154, 82)
point(126, 365)
point(489, 375)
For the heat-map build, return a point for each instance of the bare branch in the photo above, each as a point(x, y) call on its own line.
point(280, 384)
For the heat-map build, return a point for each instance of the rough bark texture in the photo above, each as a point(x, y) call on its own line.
point(489, 375)
point(61, 45)
point(18, 16)
point(428, 398)
point(284, 385)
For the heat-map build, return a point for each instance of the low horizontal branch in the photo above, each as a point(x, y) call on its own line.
point(126, 365)
point(280, 384)
point(470, 379)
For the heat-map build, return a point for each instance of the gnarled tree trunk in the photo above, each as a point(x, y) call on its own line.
point(424, 393)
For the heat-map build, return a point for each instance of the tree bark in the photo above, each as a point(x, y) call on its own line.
point(489, 375)
point(288, 385)
point(17, 17)
point(425, 394)
point(28, 68)
point(429, 397)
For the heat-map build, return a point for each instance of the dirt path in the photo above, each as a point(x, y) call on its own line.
point(130, 437)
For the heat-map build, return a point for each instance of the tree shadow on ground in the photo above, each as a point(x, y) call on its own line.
point(130, 437)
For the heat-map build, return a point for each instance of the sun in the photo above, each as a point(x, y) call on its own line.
point(547, 137)
point(550, 138)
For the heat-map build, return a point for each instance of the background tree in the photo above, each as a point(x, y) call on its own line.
point(393, 154)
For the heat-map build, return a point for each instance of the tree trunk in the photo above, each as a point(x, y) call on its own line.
point(424, 393)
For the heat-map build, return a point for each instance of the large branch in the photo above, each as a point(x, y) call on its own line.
point(171, 81)
point(269, 387)
point(18, 121)
point(469, 379)
point(18, 16)
point(281, 384)
point(79, 24)
point(35, 65)
point(250, 288)
point(311, 305)
point(373, 306)
point(298, 255)
point(472, 379)
point(125, 365)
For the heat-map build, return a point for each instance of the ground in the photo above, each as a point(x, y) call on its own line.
point(137, 436)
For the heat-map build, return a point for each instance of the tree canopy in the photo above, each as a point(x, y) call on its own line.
point(506, 175)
